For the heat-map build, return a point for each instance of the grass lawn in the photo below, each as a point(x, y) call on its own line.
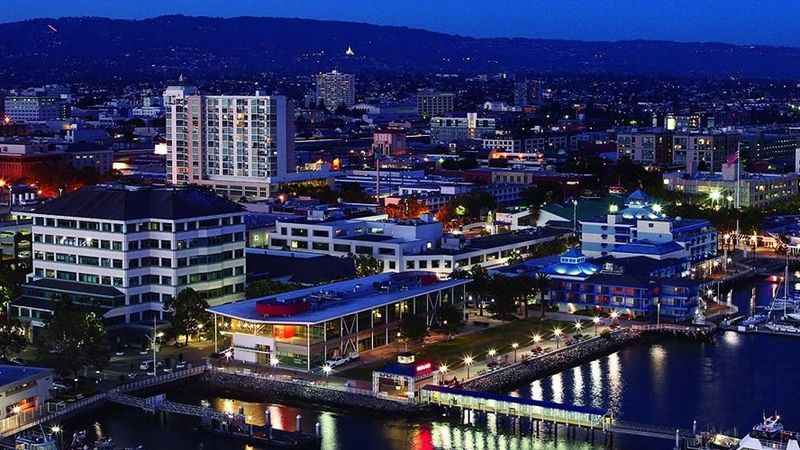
point(499, 338)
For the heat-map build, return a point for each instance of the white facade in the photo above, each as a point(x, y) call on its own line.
point(29, 389)
point(335, 89)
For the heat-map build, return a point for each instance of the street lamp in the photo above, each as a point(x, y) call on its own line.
point(537, 338)
point(578, 326)
point(515, 346)
point(557, 334)
point(658, 313)
point(574, 216)
point(326, 369)
point(596, 321)
point(442, 372)
point(274, 361)
point(468, 360)
point(614, 315)
point(492, 352)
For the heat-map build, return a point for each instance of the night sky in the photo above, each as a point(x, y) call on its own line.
point(771, 22)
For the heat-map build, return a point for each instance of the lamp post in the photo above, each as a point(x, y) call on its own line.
point(468, 360)
point(515, 346)
point(578, 326)
point(658, 313)
point(557, 334)
point(596, 321)
point(442, 372)
point(154, 345)
point(574, 216)
point(55, 429)
point(492, 352)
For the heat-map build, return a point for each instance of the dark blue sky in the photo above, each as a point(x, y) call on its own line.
point(737, 21)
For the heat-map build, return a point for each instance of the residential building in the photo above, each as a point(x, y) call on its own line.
point(336, 89)
point(23, 389)
point(303, 329)
point(124, 251)
point(640, 228)
point(447, 129)
point(769, 144)
point(239, 145)
point(431, 103)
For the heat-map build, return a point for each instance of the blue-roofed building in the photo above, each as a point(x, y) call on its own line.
point(634, 285)
point(640, 228)
point(23, 389)
point(305, 328)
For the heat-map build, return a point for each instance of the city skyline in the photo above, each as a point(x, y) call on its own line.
point(737, 22)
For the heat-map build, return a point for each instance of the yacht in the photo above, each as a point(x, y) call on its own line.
point(770, 435)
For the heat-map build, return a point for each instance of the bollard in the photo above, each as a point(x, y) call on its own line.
point(694, 427)
point(298, 423)
point(318, 430)
point(268, 423)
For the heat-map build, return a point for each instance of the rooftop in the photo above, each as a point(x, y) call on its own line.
point(339, 299)
point(117, 202)
point(11, 374)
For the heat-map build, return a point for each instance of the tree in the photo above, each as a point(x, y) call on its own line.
point(188, 311)
point(367, 265)
point(12, 337)
point(413, 328)
point(406, 208)
point(505, 294)
point(541, 283)
point(73, 339)
point(451, 317)
point(264, 288)
point(479, 287)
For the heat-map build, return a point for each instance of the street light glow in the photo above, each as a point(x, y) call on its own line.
point(614, 314)
point(537, 338)
point(557, 332)
point(514, 345)
point(326, 369)
point(578, 325)
point(715, 196)
point(596, 320)
point(443, 368)
point(492, 352)
point(468, 360)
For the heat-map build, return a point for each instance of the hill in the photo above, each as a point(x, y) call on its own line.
point(92, 48)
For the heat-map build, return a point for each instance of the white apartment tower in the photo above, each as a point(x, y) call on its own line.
point(236, 144)
point(335, 88)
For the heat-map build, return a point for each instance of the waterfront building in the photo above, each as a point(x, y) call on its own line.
point(640, 228)
point(335, 89)
point(124, 251)
point(402, 245)
point(23, 389)
point(432, 103)
point(402, 379)
point(752, 189)
point(238, 145)
point(636, 286)
point(447, 129)
point(305, 328)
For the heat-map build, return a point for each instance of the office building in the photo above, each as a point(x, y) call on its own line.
point(432, 103)
point(703, 150)
point(239, 145)
point(31, 108)
point(645, 146)
point(752, 189)
point(335, 89)
point(303, 329)
point(123, 251)
point(389, 142)
point(447, 129)
point(640, 228)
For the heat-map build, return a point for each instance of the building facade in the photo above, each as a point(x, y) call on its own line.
point(447, 129)
point(305, 328)
point(237, 145)
point(29, 108)
point(336, 89)
point(133, 248)
point(650, 146)
point(435, 104)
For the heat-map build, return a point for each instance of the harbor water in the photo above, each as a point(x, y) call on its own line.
point(724, 385)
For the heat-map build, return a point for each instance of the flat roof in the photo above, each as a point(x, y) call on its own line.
point(11, 374)
point(517, 400)
point(361, 296)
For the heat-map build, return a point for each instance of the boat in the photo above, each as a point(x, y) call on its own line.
point(37, 441)
point(770, 435)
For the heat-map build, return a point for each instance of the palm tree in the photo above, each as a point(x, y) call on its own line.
point(527, 289)
point(541, 283)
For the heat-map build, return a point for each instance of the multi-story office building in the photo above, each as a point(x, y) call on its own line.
point(751, 189)
point(774, 143)
point(401, 245)
point(646, 146)
point(31, 108)
point(703, 150)
point(433, 104)
point(126, 250)
point(641, 229)
point(336, 89)
point(303, 329)
point(448, 129)
point(238, 145)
